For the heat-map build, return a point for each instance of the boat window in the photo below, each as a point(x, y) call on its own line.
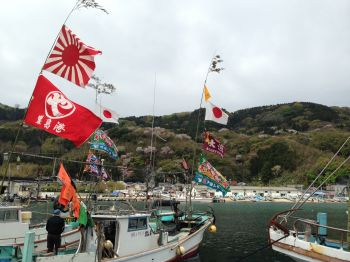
point(8, 215)
point(137, 223)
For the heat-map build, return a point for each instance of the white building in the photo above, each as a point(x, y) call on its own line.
point(274, 192)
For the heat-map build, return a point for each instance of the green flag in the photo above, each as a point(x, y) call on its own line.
point(82, 214)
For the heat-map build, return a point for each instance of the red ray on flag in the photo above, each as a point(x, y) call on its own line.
point(51, 111)
point(71, 58)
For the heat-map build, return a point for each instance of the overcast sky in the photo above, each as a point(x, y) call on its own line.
point(274, 51)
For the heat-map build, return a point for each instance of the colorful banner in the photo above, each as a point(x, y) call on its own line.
point(92, 168)
point(209, 176)
point(211, 144)
point(102, 142)
point(95, 167)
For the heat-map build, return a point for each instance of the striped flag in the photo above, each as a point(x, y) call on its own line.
point(71, 58)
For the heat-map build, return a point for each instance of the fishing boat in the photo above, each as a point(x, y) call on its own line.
point(310, 239)
point(131, 235)
point(14, 223)
point(218, 199)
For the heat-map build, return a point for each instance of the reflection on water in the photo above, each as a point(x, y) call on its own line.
point(241, 227)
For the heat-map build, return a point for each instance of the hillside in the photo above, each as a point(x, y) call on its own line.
point(278, 144)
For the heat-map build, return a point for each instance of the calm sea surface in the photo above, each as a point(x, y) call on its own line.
point(241, 228)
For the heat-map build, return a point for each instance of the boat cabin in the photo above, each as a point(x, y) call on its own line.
point(132, 228)
point(11, 223)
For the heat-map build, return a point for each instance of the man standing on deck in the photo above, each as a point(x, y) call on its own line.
point(54, 227)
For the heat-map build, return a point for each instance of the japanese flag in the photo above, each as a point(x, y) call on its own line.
point(106, 114)
point(216, 114)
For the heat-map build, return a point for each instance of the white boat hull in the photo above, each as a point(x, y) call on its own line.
point(301, 250)
point(69, 238)
point(166, 252)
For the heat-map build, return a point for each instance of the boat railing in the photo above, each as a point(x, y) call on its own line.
point(38, 237)
point(311, 233)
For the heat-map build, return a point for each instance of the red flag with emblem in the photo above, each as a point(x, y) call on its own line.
point(71, 58)
point(211, 144)
point(51, 111)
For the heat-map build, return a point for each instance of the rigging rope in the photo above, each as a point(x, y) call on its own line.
point(296, 204)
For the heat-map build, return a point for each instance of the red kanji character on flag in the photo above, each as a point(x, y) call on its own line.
point(71, 58)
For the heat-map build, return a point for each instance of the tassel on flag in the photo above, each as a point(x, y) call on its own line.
point(71, 58)
point(51, 111)
point(216, 114)
point(207, 95)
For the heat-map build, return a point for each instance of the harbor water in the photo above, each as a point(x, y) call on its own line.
point(241, 228)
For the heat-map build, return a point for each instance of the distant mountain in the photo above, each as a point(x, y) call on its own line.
point(10, 113)
point(277, 145)
point(300, 116)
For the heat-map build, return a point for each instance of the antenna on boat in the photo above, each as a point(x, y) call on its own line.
point(150, 167)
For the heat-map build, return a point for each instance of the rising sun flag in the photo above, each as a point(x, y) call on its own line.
point(71, 58)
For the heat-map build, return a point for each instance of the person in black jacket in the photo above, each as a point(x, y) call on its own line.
point(54, 228)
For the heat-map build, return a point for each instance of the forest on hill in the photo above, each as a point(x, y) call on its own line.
point(277, 145)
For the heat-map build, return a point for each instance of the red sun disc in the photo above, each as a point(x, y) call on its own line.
point(217, 112)
point(107, 114)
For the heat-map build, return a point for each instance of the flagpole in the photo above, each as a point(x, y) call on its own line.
point(212, 68)
point(26, 109)
point(151, 160)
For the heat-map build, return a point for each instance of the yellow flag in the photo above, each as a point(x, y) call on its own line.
point(207, 95)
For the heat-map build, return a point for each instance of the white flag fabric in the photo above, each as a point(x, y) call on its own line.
point(216, 114)
point(106, 114)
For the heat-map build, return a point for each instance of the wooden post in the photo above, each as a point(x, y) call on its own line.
point(28, 247)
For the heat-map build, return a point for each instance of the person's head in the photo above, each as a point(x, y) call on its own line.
point(57, 212)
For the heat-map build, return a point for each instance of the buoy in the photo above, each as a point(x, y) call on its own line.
point(26, 216)
point(212, 229)
point(180, 251)
point(108, 245)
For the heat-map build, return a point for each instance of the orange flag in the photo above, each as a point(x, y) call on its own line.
point(63, 175)
point(207, 95)
point(68, 190)
point(75, 206)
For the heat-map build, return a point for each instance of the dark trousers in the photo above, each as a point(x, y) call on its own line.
point(53, 241)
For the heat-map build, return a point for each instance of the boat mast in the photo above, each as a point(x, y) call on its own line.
point(348, 189)
point(150, 167)
point(213, 67)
